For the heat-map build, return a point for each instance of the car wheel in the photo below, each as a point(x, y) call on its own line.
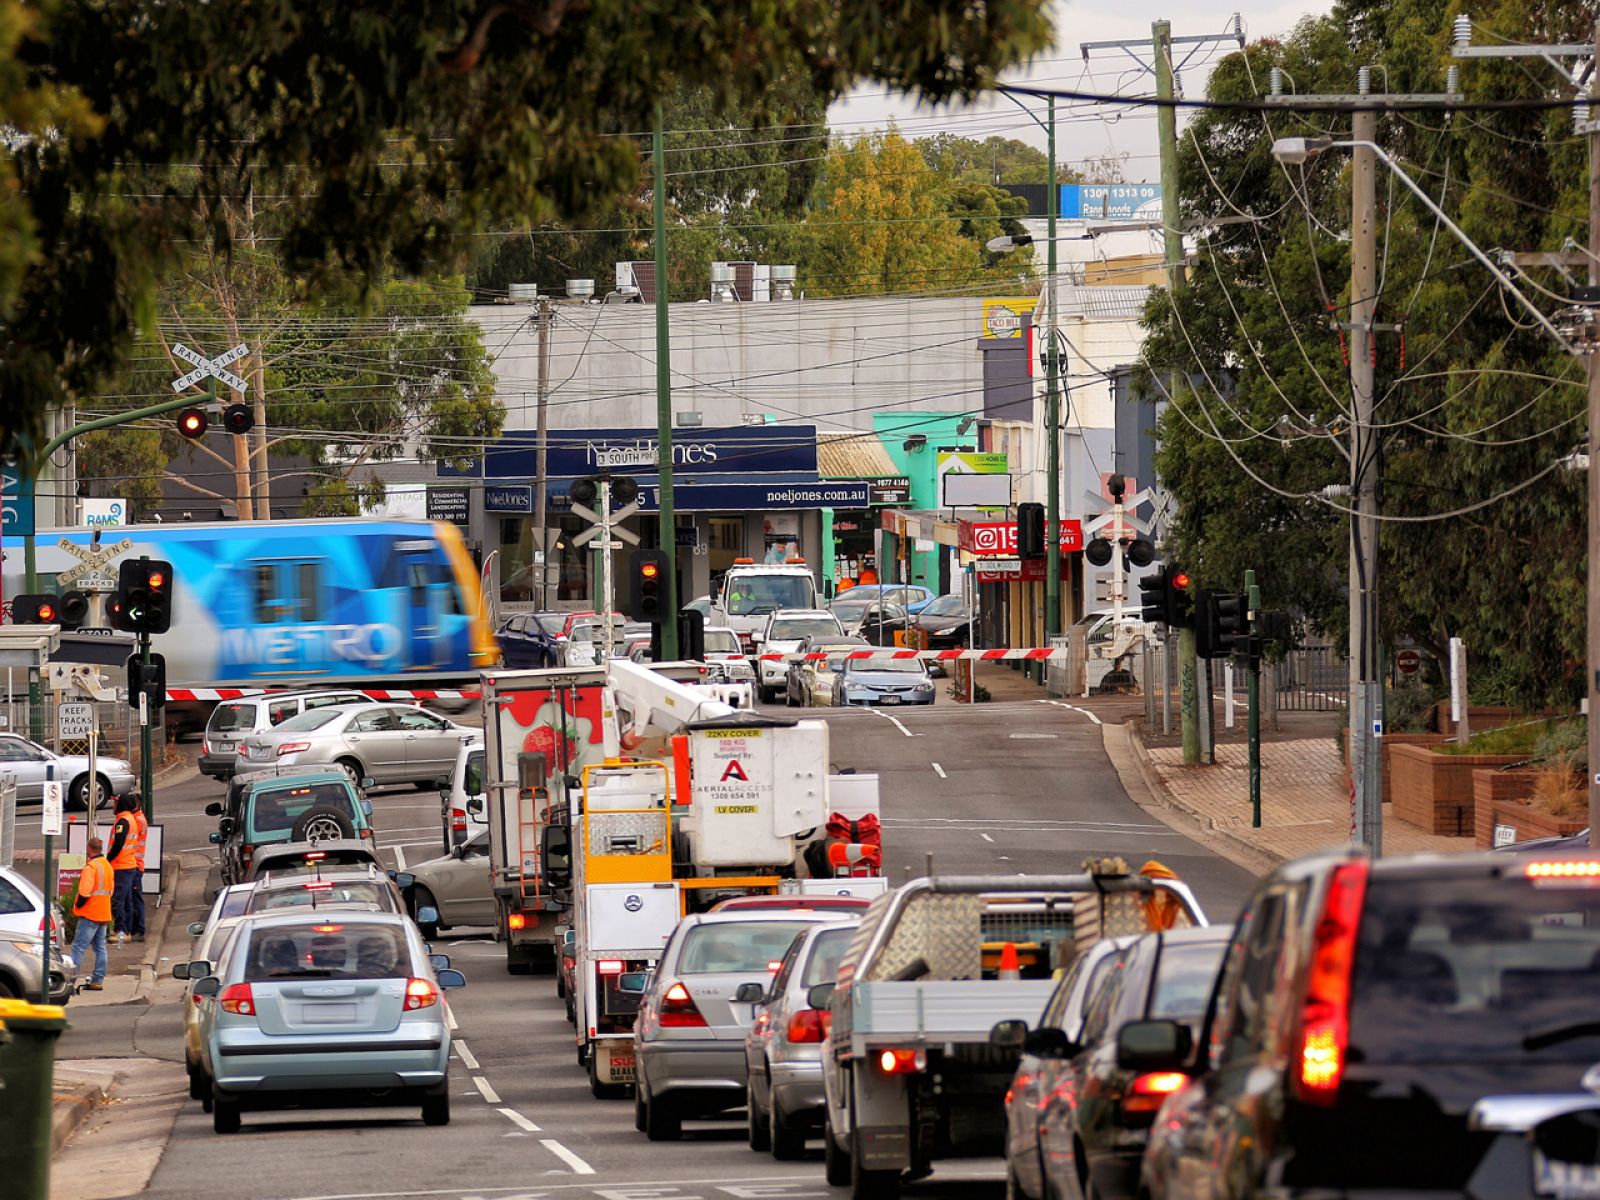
point(561, 986)
point(8, 990)
point(583, 1054)
point(835, 1161)
point(870, 1185)
point(638, 1109)
point(422, 898)
point(425, 785)
point(788, 1141)
point(322, 823)
point(224, 1113)
point(756, 1121)
point(78, 793)
point(436, 1105)
point(662, 1123)
point(352, 768)
point(198, 1087)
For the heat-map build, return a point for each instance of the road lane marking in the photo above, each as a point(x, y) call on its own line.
point(986, 837)
point(466, 1191)
point(450, 1017)
point(1032, 737)
point(400, 857)
point(520, 1121)
point(485, 1090)
point(1040, 824)
point(895, 720)
point(939, 771)
point(1084, 712)
point(467, 1058)
point(579, 1167)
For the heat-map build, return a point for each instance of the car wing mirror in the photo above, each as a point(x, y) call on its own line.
point(403, 879)
point(750, 993)
point(451, 979)
point(1154, 1045)
point(214, 809)
point(633, 983)
point(427, 915)
point(441, 962)
point(216, 838)
point(366, 805)
point(210, 985)
point(1008, 1035)
point(180, 970)
point(820, 995)
point(367, 781)
point(1049, 1042)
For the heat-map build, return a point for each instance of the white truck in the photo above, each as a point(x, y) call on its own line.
point(752, 591)
point(910, 1072)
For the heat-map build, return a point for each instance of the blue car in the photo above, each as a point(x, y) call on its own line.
point(528, 640)
point(329, 1010)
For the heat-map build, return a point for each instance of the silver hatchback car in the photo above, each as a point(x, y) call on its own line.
point(783, 1050)
point(689, 1036)
point(332, 1009)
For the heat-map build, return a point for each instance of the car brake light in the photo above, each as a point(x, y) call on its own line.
point(903, 1062)
point(1325, 1015)
point(236, 998)
point(246, 853)
point(609, 966)
point(316, 855)
point(205, 746)
point(678, 1010)
point(322, 886)
point(805, 1026)
point(1147, 1092)
point(458, 820)
point(775, 966)
point(367, 834)
point(293, 748)
point(420, 994)
point(1585, 869)
point(516, 921)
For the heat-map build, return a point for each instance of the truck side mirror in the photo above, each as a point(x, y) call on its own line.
point(633, 983)
point(214, 809)
point(556, 844)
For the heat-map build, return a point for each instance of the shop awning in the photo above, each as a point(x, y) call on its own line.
point(853, 456)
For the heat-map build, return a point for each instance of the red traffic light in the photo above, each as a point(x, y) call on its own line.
point(192, 422)
point(156, 579)
point(649, 570)
point(47, 613)
point(1180, 580)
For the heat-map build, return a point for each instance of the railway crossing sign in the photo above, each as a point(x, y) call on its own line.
point(204, 367)
point(90, 573)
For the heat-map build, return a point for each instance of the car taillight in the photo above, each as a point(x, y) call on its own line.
point(293, 748)
point(609, 966)
point(678, 1010)
point(903, 1062)
point(367, 834)
point(205, 745)
point(236, 998)
point(458, 820)
point(1325, 1015)
point(516, 921)
point(420, 993)
point(246, 853)
point(1148, 1091)
point(805, 1026)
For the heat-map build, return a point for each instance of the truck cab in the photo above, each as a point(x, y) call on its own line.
point(752, 591)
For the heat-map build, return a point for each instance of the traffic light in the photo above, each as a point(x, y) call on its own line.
point(74, 610)
point(1221, 624)
point(1179, 600)
point(647, 578)
point(692, 635)
point(192, 423)
point(150, 679)
point(143, 602)
point(1030, 530)
point(238, 418)
point(1153, 597)
point(35, 609)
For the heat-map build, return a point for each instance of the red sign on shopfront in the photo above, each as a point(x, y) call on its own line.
point(999, 538)
point(1017, 570)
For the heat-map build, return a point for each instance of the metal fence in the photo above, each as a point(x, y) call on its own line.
point(1312, 679)
point(1307, 679)
point(118, 725)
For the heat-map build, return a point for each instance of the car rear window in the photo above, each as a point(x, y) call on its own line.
point(280, 808)
point(302, 864)
point(826, 954)
point(225, 718)
point(800, 627)
point(736, 946)
point(1476, 969)
point(327, 950)
point(1184, 978)
point(235, 902)
point(318, 892)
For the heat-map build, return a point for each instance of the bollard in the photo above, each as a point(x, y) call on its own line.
point(27, 1069)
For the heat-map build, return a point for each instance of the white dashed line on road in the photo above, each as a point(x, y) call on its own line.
point(1082, 712)
point(467, 1058)
point(898, 724)
point(520, 1121)
point(450, 1018)
point(485, 1090)
point(939, 771)
point(986, 837)
point(400, 858)
point(577, 1164)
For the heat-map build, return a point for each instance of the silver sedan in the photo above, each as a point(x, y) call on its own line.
point(387, 743)
point(29, 763)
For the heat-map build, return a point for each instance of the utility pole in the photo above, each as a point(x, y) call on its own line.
point(667, 520)
point(541, 457)
point(1253, 727)
point(1052, 408)
point(1593, 688)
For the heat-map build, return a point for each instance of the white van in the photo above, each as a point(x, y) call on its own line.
point(462, 810)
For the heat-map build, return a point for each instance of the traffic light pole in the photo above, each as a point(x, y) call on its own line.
point(146, 769)
point(1253, 617)
point(667, 519)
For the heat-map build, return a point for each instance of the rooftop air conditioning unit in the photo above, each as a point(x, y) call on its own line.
point(580, 289)
point(783, 283)
point(722, 282)
point(522, 293)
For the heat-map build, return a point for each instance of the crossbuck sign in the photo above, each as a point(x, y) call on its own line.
point(204, 366)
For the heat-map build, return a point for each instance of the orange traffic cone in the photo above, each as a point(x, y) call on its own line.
point(1010, 967)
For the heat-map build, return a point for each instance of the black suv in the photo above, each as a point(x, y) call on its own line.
point(1363, 1009)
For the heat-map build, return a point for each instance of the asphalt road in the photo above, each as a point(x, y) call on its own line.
point(1020, 787)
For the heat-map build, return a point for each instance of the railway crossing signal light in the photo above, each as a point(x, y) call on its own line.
point(35, 609)
point(144, 595)
point(647, 578)
point(192, 423)
point(149, 678)
point(74, 610)
point(238, 418)
point(1030, 530)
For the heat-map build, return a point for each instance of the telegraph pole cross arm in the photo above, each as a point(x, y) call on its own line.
point(205, 368)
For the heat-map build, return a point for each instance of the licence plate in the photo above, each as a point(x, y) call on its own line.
point(327, 1014)
point(1565, 1180)
point(257, 751)
point(889, 700)
point(223, 745)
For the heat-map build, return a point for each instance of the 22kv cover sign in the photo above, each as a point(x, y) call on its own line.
point(733, 795)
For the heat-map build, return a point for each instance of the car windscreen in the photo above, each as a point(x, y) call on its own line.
point(552, 623)
point(1184, 977)
point(326, 950)
point(722, 641)
point(826, 954)
point(849, 611)
point(226, 718)
point(893, 666)
point(749, 595)
point(720, 948)
point(312, 718)
point(795, 628)
point(945, 606)
point(280, 808)
point(313, 893)
point(1476, 969)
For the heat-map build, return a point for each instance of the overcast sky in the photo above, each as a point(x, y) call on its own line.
point(1085, 131)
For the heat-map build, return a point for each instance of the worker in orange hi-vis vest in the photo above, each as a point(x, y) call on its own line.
point(93, 910)
point(126, 855)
